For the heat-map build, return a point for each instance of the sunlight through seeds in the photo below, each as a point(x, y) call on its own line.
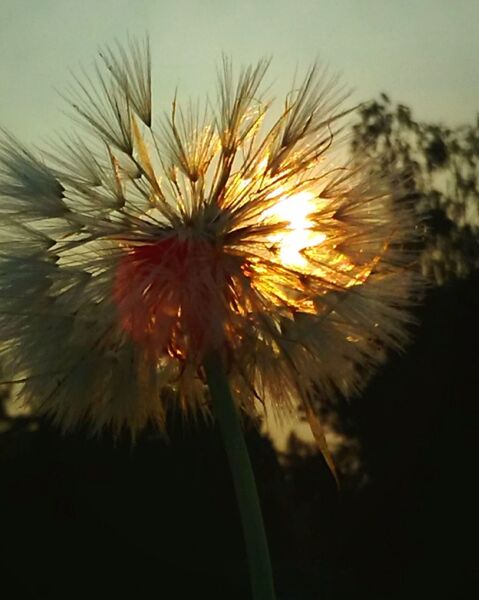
point(297, 235)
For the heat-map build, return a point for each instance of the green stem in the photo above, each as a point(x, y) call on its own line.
point(246, 493)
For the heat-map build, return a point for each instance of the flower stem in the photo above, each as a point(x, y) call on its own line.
point(246, 493)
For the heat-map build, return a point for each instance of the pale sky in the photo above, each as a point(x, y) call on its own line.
point(424, 53)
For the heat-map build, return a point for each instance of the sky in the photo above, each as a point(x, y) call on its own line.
point(423, 53)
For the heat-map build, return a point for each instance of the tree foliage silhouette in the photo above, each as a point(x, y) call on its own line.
point(440, 166)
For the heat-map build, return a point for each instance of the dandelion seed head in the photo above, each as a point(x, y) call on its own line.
point(134, 249)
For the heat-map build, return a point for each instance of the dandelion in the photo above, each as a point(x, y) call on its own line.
point(223, 250)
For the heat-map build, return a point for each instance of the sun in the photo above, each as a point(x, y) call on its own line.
point(298, 234)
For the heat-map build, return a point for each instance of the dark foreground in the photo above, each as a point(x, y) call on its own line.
point(83, 519)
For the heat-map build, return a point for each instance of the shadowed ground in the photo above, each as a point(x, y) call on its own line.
point(81, 518)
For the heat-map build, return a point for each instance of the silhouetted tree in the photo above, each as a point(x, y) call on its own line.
point(439, 167)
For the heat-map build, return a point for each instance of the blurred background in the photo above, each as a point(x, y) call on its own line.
point(84, 517)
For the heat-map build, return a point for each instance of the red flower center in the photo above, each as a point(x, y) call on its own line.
point(172, 295)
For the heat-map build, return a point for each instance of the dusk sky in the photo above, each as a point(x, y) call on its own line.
point(423, 53)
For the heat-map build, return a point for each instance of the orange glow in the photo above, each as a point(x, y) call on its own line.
point(170, 288)
point(299, 246)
